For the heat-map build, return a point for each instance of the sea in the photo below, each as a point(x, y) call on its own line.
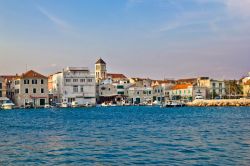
point(133, 135)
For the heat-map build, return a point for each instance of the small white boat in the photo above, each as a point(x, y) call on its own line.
point(64, 105)
point(48, 106)
point(74, 104)
point(6, 103)
point(174, 104)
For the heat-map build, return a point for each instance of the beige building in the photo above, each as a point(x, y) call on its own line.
point(31, 89)
point(215, 88)
point(139, 95)
point(100, 70)
point(182, 91)
point(246, 89)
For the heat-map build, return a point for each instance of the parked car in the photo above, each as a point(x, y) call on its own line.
point(199, 97)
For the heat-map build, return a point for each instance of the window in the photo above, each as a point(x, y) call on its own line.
point(26, 90)
point(17, 82)
point(26, 81)
point(149, 92)
point(34, 81)
point(1, 95)
point(144, 92)
point(120, 93)
point(75, 89)
point(75, 80)
point(120, 87)
point(81, 88)
point(16, 91)
point(34, 90)
point(138, 92)
point(82, 80)
point(42, 81)
point(214, 85)
point(68, 80)
point(42, 90)
point(89, 80)
point(1, 85)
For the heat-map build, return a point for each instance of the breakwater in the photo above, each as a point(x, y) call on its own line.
point(220, 103)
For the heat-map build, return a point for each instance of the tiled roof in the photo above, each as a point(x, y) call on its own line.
point(116, 75)
point(32, 74)
point(8, 77)
point(181, 86)
point(100, 61)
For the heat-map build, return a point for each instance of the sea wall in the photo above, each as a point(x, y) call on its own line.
point(220, 103)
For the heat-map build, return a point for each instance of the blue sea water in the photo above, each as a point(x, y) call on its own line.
point(126, 136)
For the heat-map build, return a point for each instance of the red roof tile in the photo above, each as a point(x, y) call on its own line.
point(116, 75)
point(32, 74)
point(181, 86)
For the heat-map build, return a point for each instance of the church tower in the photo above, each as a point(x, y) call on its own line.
point(100, 70)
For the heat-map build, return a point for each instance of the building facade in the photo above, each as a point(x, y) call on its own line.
point(182, 91)
point(31, 89)
point(215, 88)
point(73, 84)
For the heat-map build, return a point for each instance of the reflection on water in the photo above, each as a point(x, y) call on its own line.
point(126, 135)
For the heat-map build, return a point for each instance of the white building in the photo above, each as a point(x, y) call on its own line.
point(74, 84)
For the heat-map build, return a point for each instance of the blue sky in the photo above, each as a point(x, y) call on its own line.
point(144, 38)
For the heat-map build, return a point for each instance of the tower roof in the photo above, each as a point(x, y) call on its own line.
point(100, 61)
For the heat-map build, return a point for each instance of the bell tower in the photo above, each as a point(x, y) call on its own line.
point(100, 70)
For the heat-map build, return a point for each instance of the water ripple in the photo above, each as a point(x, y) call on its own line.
point(126, 136)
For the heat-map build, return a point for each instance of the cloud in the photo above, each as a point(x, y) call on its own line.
point(239, 7)
point(61, 24)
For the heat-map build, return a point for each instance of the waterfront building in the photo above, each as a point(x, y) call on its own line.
point(113, 90)
point(8, 86)
point(158, 94)
point(181, 91)
point(246, 89)
point(215, 88)
point(31, 89)
point(139, 95)
point(246, 86)
point(73, 84)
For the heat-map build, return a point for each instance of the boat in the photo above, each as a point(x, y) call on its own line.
point(64, 105)
point(48, 106)
point(6, 103)
point(74, 104)
point(173, 103)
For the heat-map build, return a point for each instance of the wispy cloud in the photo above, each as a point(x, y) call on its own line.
point(62, 25)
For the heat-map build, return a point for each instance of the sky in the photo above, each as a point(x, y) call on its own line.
point(139, 38)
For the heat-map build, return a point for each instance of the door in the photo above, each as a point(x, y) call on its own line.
point(42, 102)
